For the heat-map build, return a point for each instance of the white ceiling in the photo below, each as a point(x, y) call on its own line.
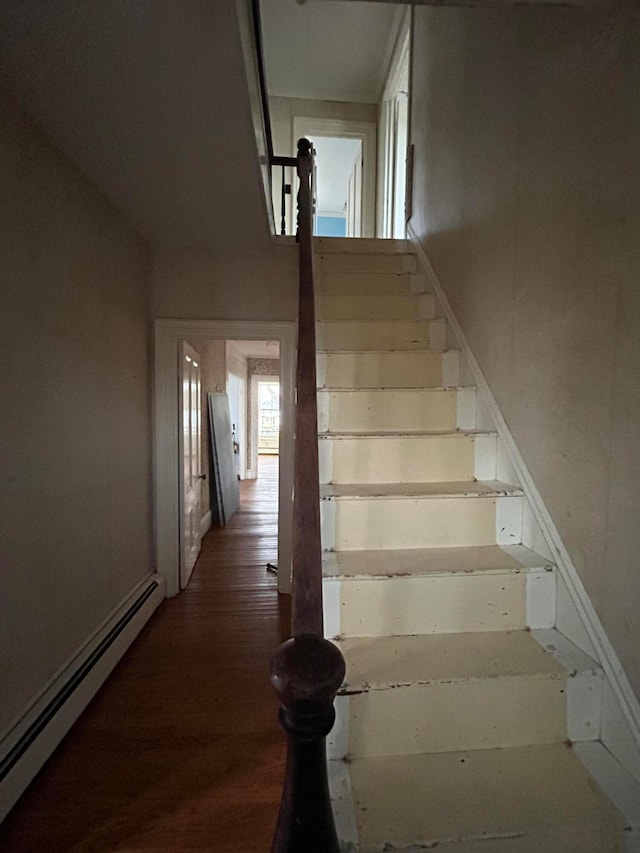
point(328, 49)
point(149, 99)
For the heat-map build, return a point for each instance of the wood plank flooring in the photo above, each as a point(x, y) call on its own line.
point(181, 749)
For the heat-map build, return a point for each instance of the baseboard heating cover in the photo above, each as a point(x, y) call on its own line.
point(40, 728)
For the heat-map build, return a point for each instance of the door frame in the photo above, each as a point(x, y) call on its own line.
point(367, 132)
point(387, 150)
point(166, 500)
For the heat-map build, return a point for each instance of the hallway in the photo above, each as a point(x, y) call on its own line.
point(181, 749)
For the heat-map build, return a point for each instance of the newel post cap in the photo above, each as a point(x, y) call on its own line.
point(307, 668)
point(304, 147)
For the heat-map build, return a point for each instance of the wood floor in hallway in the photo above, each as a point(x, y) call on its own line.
point(181, 749)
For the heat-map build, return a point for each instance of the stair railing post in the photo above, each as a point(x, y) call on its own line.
point(307, 671)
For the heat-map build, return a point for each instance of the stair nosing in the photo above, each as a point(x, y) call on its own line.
point(499, 489)
point(384, 434)
point(536, 563)
point(539, 664)
point(413, 388)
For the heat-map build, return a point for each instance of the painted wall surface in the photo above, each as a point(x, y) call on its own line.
point(75, 488)
point(331, 226)
point(283, 111)
point(526, 126)
point(259, 283)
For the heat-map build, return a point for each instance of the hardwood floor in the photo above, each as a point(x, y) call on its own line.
point(181, 749)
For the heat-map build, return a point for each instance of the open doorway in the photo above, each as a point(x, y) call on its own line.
point(338, 195)
point(268, 416)
point(227, 358)
point(345, 174)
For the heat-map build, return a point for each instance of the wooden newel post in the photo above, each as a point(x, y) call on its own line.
point(307, 672)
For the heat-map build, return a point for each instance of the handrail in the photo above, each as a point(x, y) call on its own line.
point(274, 159)
point(264, 99)
point(307, 552)
point(307, 670)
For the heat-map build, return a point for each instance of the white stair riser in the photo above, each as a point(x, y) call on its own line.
point(374, 410)
point(361, 245)
point(404, 459)
point(380, 335)
point(449, 716)
point(438, 522)
point(365, 262)
point(385, 369)
point(334, 307)
point(448, 603)
point(370, 284)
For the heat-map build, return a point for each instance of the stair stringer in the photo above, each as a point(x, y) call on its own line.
point(576, 617)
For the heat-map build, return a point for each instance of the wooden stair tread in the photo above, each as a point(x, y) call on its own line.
point(433, 561)
point(382, 662)
point(531, 799)
point(458, 489)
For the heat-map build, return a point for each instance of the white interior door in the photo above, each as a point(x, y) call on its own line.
point(191, 475)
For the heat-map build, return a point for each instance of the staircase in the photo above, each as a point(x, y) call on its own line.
point(461, 701)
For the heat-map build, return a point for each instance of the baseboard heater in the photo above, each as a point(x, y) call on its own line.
point(125, 629)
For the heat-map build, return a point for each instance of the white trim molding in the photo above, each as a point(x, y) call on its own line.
point(31, 739)
point(576, 617)
point(168, 334)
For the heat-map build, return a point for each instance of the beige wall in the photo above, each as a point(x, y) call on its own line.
point(75, 513)
point(284, 110)
point(258, 284)
point(526, 127)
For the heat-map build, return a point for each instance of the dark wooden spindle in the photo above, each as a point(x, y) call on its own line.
point(307, 671)
point(283, 205)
